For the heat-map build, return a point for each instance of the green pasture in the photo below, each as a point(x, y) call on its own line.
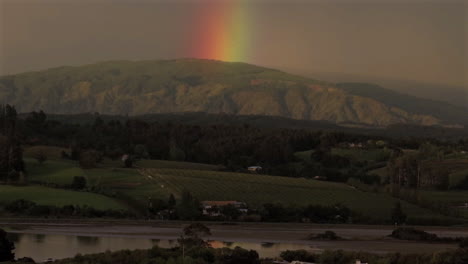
point(362, 154)
point(258, 189)
point(59, 172)
point(167, 164)
point(58, 197)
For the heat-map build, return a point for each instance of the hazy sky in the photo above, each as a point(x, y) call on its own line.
point(413, 39)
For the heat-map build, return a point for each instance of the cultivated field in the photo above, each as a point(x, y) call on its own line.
point(167, 164)
point(60, 172)
point(259, 189)
point(362, 154)
point(158, 179)
point(58, 197)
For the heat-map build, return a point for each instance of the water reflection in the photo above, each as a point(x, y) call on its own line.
point(267, 245)
point(87, 240)
point(41, 247)
point(39, 238)
point(14, 237)
point(228, 244)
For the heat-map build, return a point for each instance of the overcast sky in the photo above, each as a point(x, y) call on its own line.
point(413, 39)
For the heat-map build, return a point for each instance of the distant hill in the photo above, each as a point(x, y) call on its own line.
point(408, 103)
point(193, 85)
point(452, 94)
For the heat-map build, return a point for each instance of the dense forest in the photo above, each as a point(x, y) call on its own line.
point(11, 161)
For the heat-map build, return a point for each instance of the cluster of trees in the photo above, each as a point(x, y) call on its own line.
point(234, 146)
point(313, 213)
point(28, 208)
point(189, 208)
point(413, 234)
point(11, 156)
point(416, 169)
point(156, 255)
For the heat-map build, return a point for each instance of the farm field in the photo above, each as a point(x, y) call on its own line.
point(458, 171)
point(355, 154)
point(447, 197)
point(50, 151)
point(304, 155)
point(362, 154)
point(128, 182)
point(167, 164)
point(169, 177)
point(60, 172)
point(259, 189)
point(58, 197)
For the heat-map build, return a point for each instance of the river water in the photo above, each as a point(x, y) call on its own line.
point(40, 246)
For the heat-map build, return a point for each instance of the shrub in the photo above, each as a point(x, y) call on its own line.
point(328, 235)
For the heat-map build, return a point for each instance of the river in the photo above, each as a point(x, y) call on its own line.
point(43, 246)
point(62, 239)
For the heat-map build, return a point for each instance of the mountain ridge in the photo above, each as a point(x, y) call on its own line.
point(195, 85)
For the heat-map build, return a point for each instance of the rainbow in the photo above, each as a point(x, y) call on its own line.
point(222, 31)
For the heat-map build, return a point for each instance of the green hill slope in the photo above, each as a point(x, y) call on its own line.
point(191, 85)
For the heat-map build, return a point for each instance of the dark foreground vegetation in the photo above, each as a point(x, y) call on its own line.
point(242, 256)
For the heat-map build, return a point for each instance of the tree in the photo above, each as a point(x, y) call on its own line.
point(398, 216)
point(405, 170)
point(140, 151)
point(171, 202)
point(79, 183)
point(176, 153)
point(238, 255)
point(40, 156)
point(127, 160)
point(6, 247)
point(88, 159)
point(230, 211)
point(11, 155)
point(197, 230)
point(192, 236)
point(189, 207)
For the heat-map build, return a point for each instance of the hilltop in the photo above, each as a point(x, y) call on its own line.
point(193, 85)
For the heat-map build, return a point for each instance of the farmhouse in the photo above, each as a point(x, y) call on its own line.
point(254, 168)
point(356, 145)
point(320, 178)
point(213, 208)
